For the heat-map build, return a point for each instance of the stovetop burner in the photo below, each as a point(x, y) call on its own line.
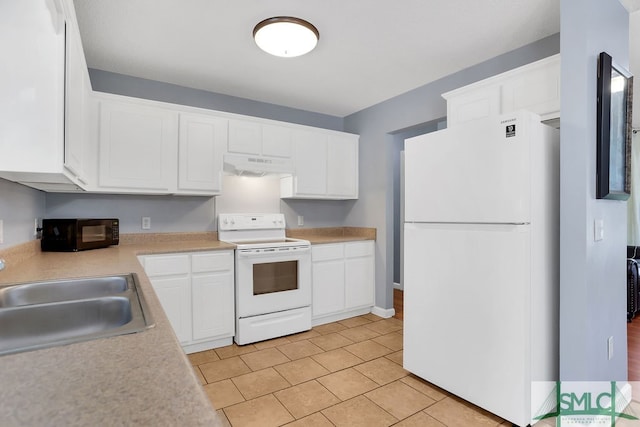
point(256, 231)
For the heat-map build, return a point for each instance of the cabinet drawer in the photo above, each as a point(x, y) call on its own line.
point(327, 252)
point(161, 265)
point(357, 249)
point(209, 262)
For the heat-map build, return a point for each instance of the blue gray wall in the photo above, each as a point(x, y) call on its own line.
point(592, 274)
point(376, 126)
point(167, 213)
point(19, 207)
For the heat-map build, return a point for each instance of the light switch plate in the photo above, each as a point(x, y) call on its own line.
point(598, 230)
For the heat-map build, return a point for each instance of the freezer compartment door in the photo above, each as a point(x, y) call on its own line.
point(477, 172)
point(466, 313)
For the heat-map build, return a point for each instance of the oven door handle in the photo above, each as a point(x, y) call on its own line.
point(245, 253)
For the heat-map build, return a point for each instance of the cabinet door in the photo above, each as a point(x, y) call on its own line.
point(342, 167)
point(359, 274)
point(76, 117)
point(276, 141)
point(213, 305)
point(474, 104)
point(328, 283)
point(310, 156)
point(212, 262)
point(536, 88)
point(201, 145)
point(175, 297)
point(165, 265)
point(32, 75)
point(138, 147)
point(245, 137)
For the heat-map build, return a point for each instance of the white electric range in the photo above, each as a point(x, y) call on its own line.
point(272, 276)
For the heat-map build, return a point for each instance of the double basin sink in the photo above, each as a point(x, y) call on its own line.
point(51, 313)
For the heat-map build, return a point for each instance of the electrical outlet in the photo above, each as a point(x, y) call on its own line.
point(610, 348)
point(146, 223)
point(300, 220)
point(1, 231)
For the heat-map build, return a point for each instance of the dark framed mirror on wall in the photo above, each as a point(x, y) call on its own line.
point(614, 92)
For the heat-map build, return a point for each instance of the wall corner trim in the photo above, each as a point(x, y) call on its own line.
point(383, 312)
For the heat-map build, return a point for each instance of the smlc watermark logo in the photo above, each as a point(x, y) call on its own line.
point(584, 403)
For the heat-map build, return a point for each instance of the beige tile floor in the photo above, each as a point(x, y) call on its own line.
point(347, 373)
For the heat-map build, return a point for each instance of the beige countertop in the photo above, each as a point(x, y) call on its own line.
point(332, 234)
point(137, 379)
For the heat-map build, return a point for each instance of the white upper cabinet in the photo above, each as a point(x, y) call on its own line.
point(245, 137)
point(472, 104)
point(276, 141)
point(537, 89)
point(310, 160)
point(248, 137)
point(201, 145)
point(326, 166)
point(57, 134)
point(77, 91)
point(342, 166)
point(138, 148)
point(534, 87)
point(43, 78)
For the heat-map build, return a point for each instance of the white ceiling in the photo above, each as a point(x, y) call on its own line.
point(369, 51)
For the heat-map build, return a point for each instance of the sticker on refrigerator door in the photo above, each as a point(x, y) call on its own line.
point(510, 130)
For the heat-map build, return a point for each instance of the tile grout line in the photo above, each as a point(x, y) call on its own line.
point(372, 339)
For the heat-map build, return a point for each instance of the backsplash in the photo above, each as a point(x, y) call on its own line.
point(19, 207)
point(169, 214)
point(244, 194)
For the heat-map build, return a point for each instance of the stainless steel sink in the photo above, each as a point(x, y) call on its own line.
point(46, 314)
point(62, 290)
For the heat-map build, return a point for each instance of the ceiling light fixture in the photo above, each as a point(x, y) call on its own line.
point(286, 36)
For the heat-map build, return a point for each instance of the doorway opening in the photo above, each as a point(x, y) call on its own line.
point(397, 161)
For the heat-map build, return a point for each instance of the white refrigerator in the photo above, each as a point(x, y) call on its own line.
point(481, 250)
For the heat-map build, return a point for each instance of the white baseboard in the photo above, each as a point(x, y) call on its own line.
point(383, 312)
point(398, 286)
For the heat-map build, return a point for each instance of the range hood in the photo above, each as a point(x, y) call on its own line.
point(252, 165)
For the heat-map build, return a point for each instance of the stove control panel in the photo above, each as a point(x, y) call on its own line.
point(251, 222)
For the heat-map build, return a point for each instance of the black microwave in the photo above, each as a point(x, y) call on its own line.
point(74, 234)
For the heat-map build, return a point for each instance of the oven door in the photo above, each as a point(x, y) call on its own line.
point(272, 280)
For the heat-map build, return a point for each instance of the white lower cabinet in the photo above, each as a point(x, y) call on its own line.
point(359, 274)
point(212, 295)
point(342, 280)
point(196, 291)
point(174, 294)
